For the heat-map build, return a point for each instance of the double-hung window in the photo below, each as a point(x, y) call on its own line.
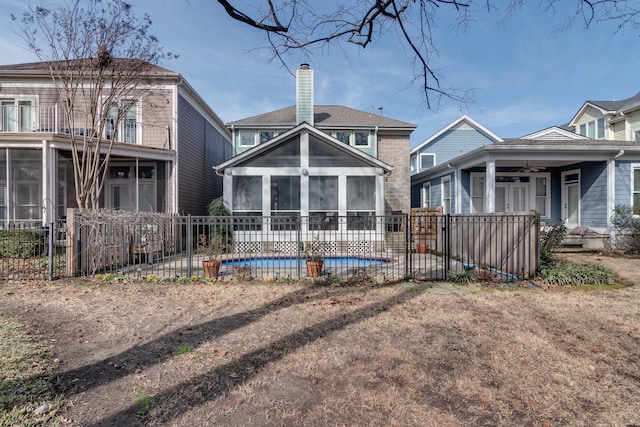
point(16, 115)
point(122, 122)
point(446, 195)
point(477, 193)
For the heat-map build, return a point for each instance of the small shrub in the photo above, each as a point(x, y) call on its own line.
point(627, 229)
point(550, 240)
point(462, 277)
point(568, 273)
point(21, 243)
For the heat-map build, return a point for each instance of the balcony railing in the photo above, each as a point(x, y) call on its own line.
point(51, 119)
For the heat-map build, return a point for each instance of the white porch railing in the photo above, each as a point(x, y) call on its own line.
point(50, 119)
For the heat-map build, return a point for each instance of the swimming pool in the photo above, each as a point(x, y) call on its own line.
point(293, 262)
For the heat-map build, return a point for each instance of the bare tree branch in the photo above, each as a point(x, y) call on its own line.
point(363, 22)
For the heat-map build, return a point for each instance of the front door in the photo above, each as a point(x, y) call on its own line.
point(511, 197)
point(571, 198)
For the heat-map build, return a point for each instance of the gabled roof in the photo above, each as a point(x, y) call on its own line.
point(37, 68)
point(612, 108)
point(286, 136)
point(325, 116)
point(460, 120)
point(554, 133)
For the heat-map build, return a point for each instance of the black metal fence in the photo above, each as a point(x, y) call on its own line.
point(280, 248)
point(32, 251)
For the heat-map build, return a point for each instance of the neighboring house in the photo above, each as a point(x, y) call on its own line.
point(327, 160)
point(461, 136)
point(161, 160)
point(613, 120)
point(562, 175)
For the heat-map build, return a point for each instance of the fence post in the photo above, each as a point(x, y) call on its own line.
point(71, 243)
point(52, 248)
point(447, 245)
point(189, 247)
point(408, 259)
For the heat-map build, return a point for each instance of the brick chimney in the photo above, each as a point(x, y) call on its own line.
point(304, 94)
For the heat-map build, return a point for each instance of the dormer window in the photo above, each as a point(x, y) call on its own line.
point(593, 129)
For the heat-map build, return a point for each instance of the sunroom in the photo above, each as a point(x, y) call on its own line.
point(305, 184)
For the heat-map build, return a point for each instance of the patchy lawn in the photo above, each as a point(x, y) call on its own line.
point(273, 354)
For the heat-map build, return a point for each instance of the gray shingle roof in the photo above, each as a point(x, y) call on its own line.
point(41, 67)
point(325, 116)
point(618, 105)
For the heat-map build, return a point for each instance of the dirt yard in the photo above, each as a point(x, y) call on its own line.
point(260, 354)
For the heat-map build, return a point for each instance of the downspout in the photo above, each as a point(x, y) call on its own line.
point(611, 192)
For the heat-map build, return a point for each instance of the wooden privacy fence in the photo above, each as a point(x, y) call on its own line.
point(424, 244)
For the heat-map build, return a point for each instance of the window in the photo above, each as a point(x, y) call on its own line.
point(361, 202)
point(285, 202)
point(414, 163)
point(636, 189)
point(542, 200)
point(593, 129)
point(446, 196)
point(16, 115)
point(343, 136)
point(131, 191)
point(427, 160)
point(266, 135)
point(247, 195)
point(122, 122)
point(600, 134)
point(26, 175)
point(247, 138)
point(636, 135)
point(323, 202)
point(426, 195)
point(361, 139)
point(477, 193)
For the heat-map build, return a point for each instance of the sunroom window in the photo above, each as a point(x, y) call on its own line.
point(361, 202)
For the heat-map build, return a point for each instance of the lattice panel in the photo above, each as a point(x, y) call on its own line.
point(243, 247)
point(359, 247)
point(288, 247)
point(325, 248)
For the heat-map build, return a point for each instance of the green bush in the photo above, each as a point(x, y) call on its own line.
point(627, 229)
point(566, 273)
point(21, 243)
point(550, 240)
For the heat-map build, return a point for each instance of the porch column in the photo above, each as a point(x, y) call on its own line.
point(49, 178)
point(490, 186)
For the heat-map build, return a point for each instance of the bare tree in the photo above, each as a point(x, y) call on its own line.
point(99, 57)
point(305, 26)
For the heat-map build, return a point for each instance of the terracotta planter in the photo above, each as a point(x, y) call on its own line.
point(314, 268)
point(211, 269)
point(422, 248)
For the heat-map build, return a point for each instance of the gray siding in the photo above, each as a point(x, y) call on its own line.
point(593, 189)
point(623, 182)
point(453, 143)
point(201, 147)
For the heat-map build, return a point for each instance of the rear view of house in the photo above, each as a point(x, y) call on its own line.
point(161, 159)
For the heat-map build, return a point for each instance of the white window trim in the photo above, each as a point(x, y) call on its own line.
point(33, 99)
point(634, 166)
point(442, 198)
point(122, 123)
point(352, 136)
point(425, 195)
point(473, 175)
point(427, 154)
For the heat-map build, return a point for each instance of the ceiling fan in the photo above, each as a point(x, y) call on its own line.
point(529, 169)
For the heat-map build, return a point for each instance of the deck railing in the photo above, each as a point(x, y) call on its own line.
point(50, 119)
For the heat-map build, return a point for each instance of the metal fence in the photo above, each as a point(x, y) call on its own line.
point(32, 251)
point(423, 246)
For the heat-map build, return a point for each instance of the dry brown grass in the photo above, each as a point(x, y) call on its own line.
point(272, 354)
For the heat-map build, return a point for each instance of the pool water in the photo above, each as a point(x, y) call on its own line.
point(292, 262)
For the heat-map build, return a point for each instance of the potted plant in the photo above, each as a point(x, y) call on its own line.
point(313, 252)
point(212, 247)
point(219, 239)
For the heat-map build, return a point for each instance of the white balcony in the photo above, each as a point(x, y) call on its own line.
point(51, 119)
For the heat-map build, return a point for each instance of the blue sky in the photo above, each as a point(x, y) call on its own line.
point(525, 76)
